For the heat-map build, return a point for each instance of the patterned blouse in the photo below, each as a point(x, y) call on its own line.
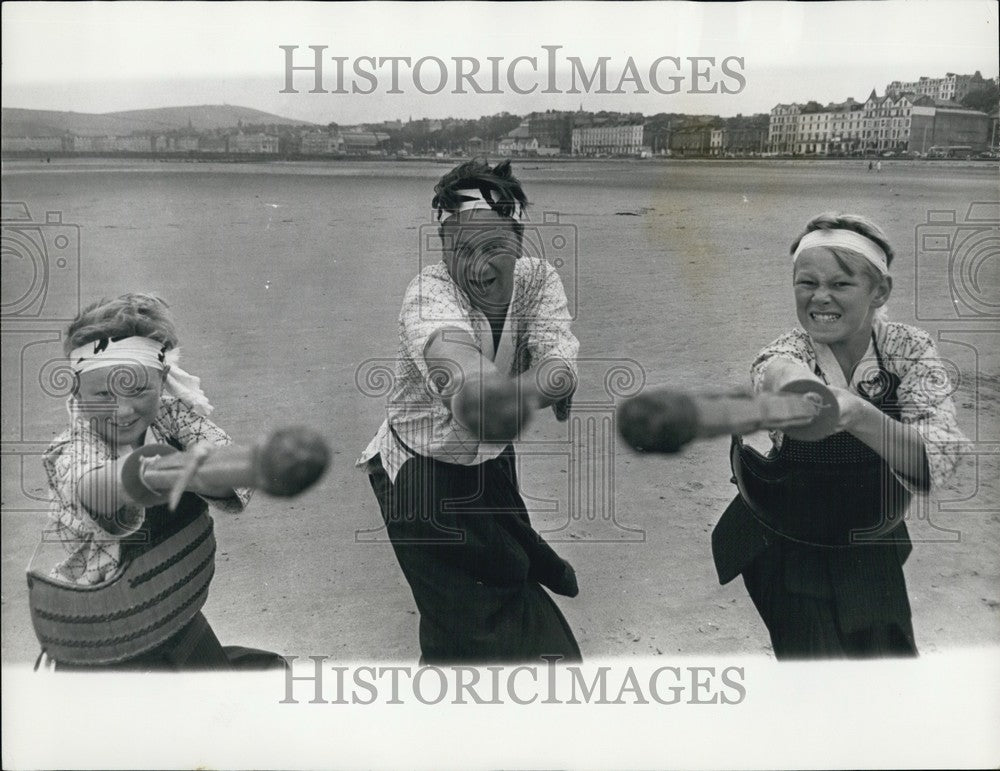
point(95, 554)
point(537, 328)
point(924, 392)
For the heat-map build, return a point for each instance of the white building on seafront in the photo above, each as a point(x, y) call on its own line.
point(951, 87)
point(783, 127)
point(608, 140)
point(253, 144)
point(32, 144)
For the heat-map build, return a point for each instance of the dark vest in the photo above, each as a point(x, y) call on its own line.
point(835, 494)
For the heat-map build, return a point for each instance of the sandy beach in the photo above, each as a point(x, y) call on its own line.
point(286, 281)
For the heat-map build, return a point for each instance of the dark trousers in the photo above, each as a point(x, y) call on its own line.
point(464, 541)
point(803, 619)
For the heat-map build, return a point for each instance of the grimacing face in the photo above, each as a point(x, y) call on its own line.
point(480, 251)
point(120, 401)
point(833, 306)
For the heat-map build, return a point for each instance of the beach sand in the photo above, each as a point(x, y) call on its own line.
point(286, 281)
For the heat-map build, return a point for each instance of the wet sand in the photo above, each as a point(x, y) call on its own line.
point(286, 281)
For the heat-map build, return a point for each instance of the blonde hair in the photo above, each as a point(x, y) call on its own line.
point(133, 314)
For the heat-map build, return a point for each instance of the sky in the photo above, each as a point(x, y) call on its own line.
point(105, 57)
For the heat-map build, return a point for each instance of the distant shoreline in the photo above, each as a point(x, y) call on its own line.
point(35, 156)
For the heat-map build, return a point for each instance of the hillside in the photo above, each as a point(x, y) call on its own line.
point(20, 122)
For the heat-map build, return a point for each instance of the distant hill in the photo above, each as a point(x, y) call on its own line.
point(18, 122)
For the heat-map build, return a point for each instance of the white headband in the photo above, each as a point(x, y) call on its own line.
point(845, 239)
point(109, 353)
point(475, 200)
point(145, 352)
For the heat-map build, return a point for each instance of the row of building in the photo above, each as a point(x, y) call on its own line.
point(902, 123)
point(910, 118)
point(898, 122)
point(260, 143)
point(240, 143)
point(950, 88)
point(342, 142)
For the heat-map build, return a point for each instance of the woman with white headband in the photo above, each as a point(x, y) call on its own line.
point(129, 392)
point(817, 530)
point(484, 340)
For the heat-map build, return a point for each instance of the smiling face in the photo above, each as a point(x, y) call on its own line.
point(120, 401)
point(480, 251)
point(835, 304)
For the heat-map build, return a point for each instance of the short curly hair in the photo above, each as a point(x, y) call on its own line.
point(132, 315)
point(498, 185)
